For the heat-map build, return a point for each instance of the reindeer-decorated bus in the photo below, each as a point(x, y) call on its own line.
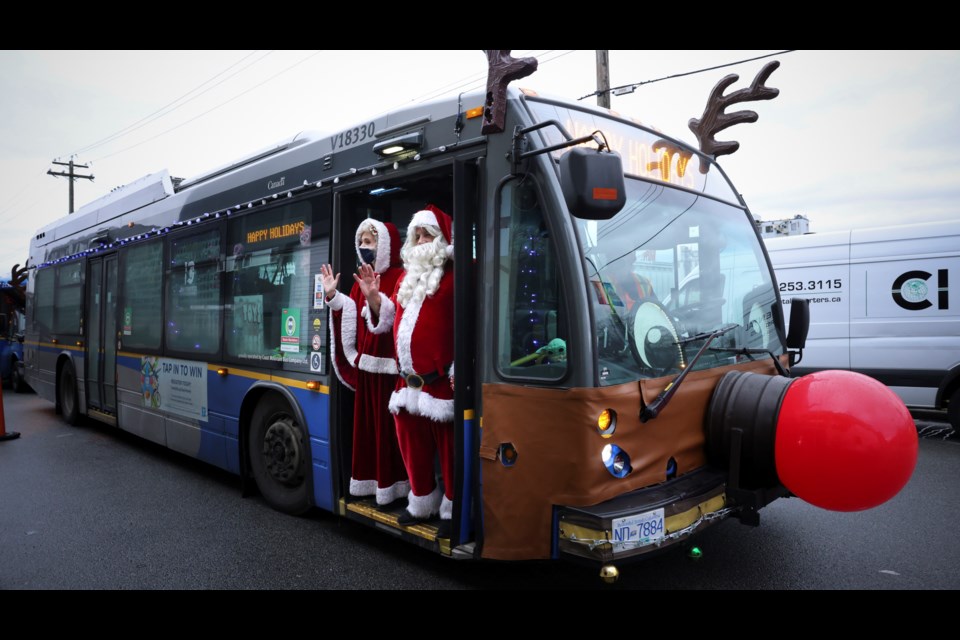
point(598, 414)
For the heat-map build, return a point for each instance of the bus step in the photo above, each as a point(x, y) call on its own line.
point(370, 510)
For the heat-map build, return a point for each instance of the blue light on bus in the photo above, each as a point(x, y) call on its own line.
point(616, 460)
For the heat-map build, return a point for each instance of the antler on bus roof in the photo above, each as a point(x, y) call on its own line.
point(502, 70)
point(715, 120)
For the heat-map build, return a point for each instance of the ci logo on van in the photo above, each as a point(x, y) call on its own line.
point(911, 290)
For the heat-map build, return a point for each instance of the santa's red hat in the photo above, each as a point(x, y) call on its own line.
point(434, 217)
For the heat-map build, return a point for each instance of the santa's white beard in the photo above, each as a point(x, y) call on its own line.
point(424, 266)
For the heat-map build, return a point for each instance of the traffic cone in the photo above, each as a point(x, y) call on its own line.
point(3, 427)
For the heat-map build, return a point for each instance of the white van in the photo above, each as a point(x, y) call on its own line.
point(884, 302)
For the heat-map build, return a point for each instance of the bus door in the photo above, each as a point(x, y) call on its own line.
point(452, 187)
point(101, 327)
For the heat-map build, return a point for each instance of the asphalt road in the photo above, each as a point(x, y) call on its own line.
point(93, 508)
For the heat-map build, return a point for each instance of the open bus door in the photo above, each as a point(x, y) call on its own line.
point(453, 188)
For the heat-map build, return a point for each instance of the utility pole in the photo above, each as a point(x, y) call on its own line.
point(70, 174)
point(603, 77)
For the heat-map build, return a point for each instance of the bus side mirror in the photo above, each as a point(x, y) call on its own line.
point(592, 183)
point(799, 323)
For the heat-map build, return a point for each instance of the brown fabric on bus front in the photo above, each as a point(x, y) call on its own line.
point(559, 449)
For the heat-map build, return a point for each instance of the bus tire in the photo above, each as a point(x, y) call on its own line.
point(279, 456)
point(67, 396)
point(16, 379)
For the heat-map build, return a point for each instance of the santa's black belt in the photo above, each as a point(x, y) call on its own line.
point(415, 380)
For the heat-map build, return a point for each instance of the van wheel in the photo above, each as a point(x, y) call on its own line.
point(953, 413)
point(67, 394)
point(279, 456)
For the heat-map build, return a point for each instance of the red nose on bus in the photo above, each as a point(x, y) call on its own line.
point(836, 439)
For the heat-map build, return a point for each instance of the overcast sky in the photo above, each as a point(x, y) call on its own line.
point(855, 139)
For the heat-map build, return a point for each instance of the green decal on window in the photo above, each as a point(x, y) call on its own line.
point(290, 330)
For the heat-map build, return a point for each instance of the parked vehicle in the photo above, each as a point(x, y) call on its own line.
point(882, 304)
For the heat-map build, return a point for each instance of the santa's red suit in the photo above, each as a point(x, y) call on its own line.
point(366, 362)
point(421, 316)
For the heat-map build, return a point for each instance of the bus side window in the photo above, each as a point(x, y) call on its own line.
point(269, 285)
point(43, 300)
point(141, 276)
point(531, 342)
point(69, 298)
point(193, 294)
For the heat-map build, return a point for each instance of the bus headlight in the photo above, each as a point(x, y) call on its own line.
point(616, 460)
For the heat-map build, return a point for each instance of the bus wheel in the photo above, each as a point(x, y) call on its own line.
point(67, 394)
point(279, 456)
point(16, 379)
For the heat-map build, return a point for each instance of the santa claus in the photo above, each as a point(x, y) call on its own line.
point(366, 362)
point(420, 313)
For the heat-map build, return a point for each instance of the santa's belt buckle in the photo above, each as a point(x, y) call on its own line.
point(413, 380)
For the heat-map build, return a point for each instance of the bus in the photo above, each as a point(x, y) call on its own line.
point(12, 325)
point(596, 418)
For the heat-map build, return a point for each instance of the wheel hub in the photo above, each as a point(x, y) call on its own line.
point(282, 451)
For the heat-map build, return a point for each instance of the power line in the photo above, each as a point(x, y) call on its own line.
point(200, 115)
point(687, 73)
point(164, 110)
point(12, 201)
point(468, 83)
point(476, 80)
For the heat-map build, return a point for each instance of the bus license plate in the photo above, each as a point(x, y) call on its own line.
point(636, 531)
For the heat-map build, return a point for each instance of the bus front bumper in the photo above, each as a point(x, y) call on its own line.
point(644, 521)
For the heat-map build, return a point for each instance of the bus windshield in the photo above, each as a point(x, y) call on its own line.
point(669, 268)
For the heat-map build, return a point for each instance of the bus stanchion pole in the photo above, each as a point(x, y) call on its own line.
point(3, 427)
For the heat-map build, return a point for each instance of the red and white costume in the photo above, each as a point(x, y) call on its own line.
point(366, 362)
point(420, 312)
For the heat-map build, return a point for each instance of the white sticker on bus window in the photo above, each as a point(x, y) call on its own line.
point(317, 291)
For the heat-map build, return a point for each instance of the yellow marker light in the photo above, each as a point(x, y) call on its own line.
point(476, 112)
point(222, 371)
point(607, 423)
point(313, 385)
point(79, 343)
point(53, 341)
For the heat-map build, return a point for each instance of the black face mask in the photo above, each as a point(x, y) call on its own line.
point(368, 255)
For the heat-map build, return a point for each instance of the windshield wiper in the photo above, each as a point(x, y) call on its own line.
point(653, 409)
point(749, 351)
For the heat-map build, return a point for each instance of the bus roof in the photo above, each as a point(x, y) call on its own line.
point(157, 201)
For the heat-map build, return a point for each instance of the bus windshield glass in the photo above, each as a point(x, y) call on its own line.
point(644, 154)
point(666, 271)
